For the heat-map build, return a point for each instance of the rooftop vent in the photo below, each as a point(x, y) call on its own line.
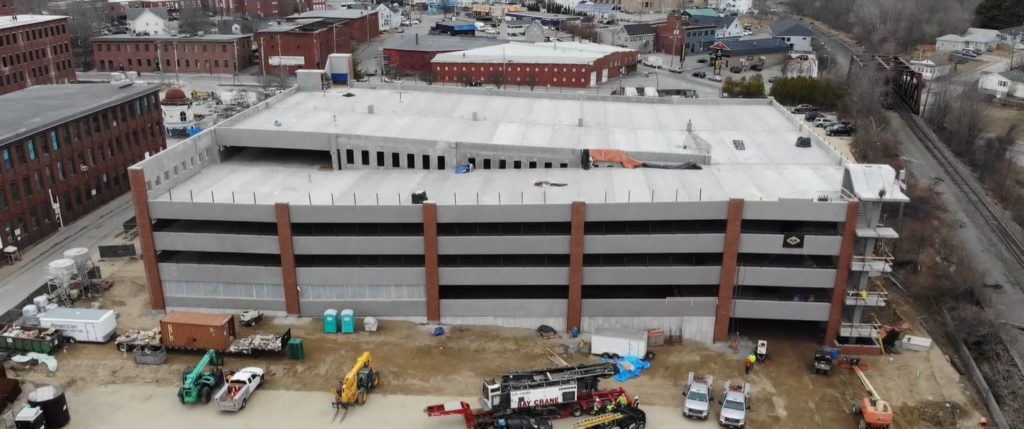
point(738, 144)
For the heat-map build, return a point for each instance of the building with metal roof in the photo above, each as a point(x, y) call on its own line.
point(469, 206)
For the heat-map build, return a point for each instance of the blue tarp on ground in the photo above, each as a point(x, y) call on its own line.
point(624, 374)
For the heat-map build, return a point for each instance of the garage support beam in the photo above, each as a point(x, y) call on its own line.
point(140, 200)
point(289, 276)
point(430, 264)
point(835, 314)
point(574, 315)
point(727, 280)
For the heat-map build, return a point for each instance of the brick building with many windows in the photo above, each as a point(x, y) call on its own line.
point(7, 7)
point(34, 50)
point(213, 53)
point(559, 64)
point(73, 143)
point(306, 43)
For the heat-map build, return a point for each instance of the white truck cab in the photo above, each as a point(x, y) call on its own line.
point(236, 392)
point(735, 404)
point(698, 396)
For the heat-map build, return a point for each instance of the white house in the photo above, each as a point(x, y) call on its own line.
point(151, 21)
point(1005, 84)
point(932, 68)
point(974, 38)
point(521, 30)
point(726, 27)
point(738, 6)
point(639, 37)
point(793, 32)
point(388, 17)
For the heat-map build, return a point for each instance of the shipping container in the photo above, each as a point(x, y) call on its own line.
point(197, 331)
point(81, 324)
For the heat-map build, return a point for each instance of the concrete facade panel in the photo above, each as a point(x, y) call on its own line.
point(361, 276)
point(795, 210)
point(655, 243)
point(692, 328)
point(212, 211)
point(230, 243)
point(358, 245)
point(505, 245)
point(388, 308)
point(494, 307)
point(792, 277)
point(690, 210)
point(191, 303)
point(504, 213)
point(354, 214)
point(780, 310)
point(773, 243)
point(526, 322)
point(651, 275)
point(505, 276)
point(669, 307)
point(217, 273)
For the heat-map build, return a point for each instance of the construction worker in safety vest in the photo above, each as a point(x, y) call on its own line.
point(610, 407)
point(749, 362)
point(623, 401)
point(595, 408)
point(636, 402)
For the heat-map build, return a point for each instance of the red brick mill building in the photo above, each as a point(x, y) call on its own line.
point(308, 38)
point(34, 50)
point(211, 53)
point(73, 143)
point(555, 64)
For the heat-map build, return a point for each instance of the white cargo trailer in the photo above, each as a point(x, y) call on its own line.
point(81, 324)
point(616, 342)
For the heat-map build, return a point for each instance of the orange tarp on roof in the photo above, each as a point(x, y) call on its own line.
point(614, 155)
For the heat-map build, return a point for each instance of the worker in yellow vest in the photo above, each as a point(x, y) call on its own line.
point(623, 401)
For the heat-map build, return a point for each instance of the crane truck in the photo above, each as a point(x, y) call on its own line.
point(872, 412)
point(198, 384)
point(545, 393)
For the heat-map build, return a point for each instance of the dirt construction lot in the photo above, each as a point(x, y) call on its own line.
point(106, 389)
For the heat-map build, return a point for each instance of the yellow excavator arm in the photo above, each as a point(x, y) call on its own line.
point(348, 391)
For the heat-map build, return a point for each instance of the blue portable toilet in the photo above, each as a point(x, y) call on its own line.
point(331, 321)
point(347, 321)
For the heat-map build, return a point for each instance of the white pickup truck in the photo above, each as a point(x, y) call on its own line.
point(236, 392)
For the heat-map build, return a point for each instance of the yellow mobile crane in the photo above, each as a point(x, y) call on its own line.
point(357, 384)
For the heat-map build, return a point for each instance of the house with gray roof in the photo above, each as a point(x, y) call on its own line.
point(797, 35)
point(639, 37)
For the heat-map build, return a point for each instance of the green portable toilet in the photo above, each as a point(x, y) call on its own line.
point(296, 350)
point(331, 321)
point(347, 321)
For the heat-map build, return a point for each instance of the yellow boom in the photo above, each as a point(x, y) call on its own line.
point(358, 383)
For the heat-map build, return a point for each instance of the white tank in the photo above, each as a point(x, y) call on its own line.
point(61, 269)
point(78, 254)
point(29, 311)
point(52, 305)
point(40, 302)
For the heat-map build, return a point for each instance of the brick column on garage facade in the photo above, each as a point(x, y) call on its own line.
point(835, 314)
point(574, 312)
point(140, 200)
point(431, 280)
point(289, 276)
point(727, 280)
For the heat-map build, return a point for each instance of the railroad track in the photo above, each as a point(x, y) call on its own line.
point(964, 180)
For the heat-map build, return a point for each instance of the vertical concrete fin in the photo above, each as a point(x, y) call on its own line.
point(835, 314)
point(140, 200)
point(430, 264)
point(574, 315)
point(288, 273)
point(727, 280)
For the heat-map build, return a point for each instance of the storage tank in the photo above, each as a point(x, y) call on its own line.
point(61, 269)
point(197, 331)
point(51, 400)
point(78, 254)
point(40, 302)
point(29, 311)
point(331, 321)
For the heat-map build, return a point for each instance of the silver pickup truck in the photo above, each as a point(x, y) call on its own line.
point(236, 392)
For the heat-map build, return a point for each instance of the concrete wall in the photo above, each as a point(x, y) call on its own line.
point(504, 213)
point(503, 245)
point(504, 276)
point(692, 328)
point(690, 210)
point(668, 307)
point(772, 243)
point(651, 275)
point(231, 243)
point(360, 276)
point(655, 243)
point(222, 286)
point(212, 211)
point(358, 245)
point(786, 277)
point(780, 310)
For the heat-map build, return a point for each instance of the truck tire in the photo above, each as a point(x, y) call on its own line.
point(649, 356)
point(361, 398)
point(244, 403)
point(641, 425)
point(204, 394)
point(615, 356)
point(181, 396)
point(606, 355)
point(123, 348)
point(577, 410)
point(375, 380)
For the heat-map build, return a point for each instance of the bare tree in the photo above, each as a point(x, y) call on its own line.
point(31, 7)
point(497, 78)
point(86, 19)
point(531, 80)
point(427, 76)
point(192, 19)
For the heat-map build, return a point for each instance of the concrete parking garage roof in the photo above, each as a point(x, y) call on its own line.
point(431, 43)
point(20, 20)
point(37, 108)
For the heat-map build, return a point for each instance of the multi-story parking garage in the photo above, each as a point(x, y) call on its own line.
point(305, 202)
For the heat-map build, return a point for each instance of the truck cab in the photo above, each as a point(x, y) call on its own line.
point(236, 392)
point(735, 404)
point(698, 396)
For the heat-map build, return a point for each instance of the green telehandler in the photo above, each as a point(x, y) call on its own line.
point(199, 384)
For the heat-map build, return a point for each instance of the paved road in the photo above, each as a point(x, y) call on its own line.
point(18, 281)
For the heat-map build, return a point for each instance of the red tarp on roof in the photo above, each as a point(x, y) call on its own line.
point(614, 155)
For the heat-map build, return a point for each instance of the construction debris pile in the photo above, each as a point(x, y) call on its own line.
point(267, 342)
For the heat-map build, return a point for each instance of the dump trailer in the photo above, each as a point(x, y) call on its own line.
point(201, 331)
point(24, 339)
point(550, 393)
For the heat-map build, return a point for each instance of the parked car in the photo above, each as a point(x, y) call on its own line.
point(702, 60)
point(699, 74)
point(772, 79)
point(401, 30)
point(736, 69)
point(838, 130)
point(674, 69)
point(415, 21)
point(821, 121)
point(803, 108)
point(756, 67)
point(747, 33)
point(715, 78)
point(812, 115)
